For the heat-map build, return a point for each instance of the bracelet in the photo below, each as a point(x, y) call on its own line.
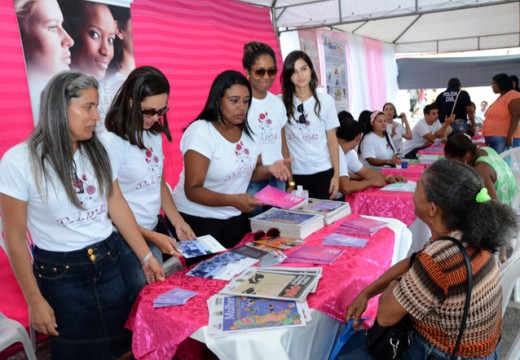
point(146, 258)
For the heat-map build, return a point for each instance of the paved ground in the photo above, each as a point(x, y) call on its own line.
point(510, 327)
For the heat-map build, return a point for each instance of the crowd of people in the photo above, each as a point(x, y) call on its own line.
point(92, 202)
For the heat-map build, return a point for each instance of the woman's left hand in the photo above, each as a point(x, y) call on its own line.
point(152, 270)
point(334, 187)
point(395, 178)
point(280, 170)
point(184, 231)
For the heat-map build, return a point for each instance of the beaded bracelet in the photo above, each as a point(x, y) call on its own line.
point(146, 258)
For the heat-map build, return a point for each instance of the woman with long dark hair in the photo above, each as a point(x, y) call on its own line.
point(311, 128)
point(220, 159)
point(376, 147)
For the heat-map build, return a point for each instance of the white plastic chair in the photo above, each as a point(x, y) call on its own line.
point(512, 157)
point(12, 332)
point(509, 273)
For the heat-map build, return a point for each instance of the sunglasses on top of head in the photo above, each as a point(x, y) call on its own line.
point(261, 72)
point(153, 112)
point(301, 119)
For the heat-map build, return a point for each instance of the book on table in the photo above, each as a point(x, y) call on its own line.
point(229, 314)
point(331, 210)
point(272, 284)
point(293, 224)
point(360, 226)
point(313, 255)
point(270, 195)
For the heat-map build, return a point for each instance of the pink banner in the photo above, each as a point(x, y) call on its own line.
point(375, 73)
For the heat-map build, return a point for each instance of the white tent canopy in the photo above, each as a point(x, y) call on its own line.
point(411, 25)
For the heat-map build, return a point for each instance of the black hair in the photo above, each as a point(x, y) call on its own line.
point(367, 128)
point(223, 81)
point(127, 121)
point(453, 187)
point(392, 105)
point(428, 108)
point(514, 79)
point(458, 145)
point(503, 82)
point(454, 83)
point(288, 88)
point(348, 128)
point(253, 50)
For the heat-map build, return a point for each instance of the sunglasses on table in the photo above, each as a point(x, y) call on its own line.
point(260, 72)
point(301, 119)
point(153, 112)
point(269, 234)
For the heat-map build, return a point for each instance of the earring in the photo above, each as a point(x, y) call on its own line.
point(219, 119)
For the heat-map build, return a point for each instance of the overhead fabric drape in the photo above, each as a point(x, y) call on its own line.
point(419, 73)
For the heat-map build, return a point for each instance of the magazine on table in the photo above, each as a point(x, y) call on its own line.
point(294, 224)
point(280, 242)
point(250, 251)
point(314, 255)
point(408, 186)
point(270, 195)
point(229, 314)
point(223, 266)
point(331, 210)
point(343, 240)
point(202, 245)
point(272, 284)
point(360, 226)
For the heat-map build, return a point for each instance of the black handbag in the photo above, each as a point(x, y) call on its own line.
point(388, 343)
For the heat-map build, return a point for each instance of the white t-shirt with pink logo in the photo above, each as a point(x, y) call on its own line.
point(376, 147)
point(266, 118)
point(230, 169)
point(54, 223)
point(139, 173)
point(307, 142)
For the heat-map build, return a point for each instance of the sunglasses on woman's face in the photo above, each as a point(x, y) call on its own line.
point(260, 72)
point(153, 112)
point(302, 119)
point(270, 234)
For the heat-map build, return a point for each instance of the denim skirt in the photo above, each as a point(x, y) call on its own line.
point(87, 292)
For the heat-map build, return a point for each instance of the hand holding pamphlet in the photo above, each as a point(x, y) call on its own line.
point(270, 195)
point(202, 245)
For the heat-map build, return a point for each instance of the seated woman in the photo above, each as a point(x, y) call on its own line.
point(397, 131)
point(451, 199)
point(220, 159)
point(376, 146)
point(353, 176)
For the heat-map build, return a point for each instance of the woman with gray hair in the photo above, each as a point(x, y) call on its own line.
point(430, 287)
point(59, 184)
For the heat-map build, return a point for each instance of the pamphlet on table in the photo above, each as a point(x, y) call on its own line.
point(280, 242)
point(173, 297)
point(223, 267)
point(313, 255)
point(343, 240)
point(229, 314)
point(360, 226)
point(329, 209)
point(408, 186)
point(272, 284)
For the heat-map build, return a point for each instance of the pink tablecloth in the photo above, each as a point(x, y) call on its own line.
point(157, 333)
point(413, 173)
point(376, 202)
point(432, 150)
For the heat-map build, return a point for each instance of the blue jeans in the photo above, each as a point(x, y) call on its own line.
point(420, 349)
point(132, 271)
point(498, 143)
point(85, 288)
point(256, 186)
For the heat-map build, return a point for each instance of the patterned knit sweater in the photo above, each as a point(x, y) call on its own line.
point(433, 292)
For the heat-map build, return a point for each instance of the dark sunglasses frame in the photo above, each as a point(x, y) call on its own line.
point(271, 234)
point(301, 119)
point(153, 112)
point(260, 72)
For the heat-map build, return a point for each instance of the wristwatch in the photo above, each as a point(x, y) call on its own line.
point(291, 183)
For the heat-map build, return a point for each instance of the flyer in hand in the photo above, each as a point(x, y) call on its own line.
point(202, 245)
point(270, 195)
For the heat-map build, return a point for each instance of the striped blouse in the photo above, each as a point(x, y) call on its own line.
point(433, 292)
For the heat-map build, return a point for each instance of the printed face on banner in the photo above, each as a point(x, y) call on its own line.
point(90, 37)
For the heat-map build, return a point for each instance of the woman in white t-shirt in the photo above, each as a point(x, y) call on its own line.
point(397, 131)
point(135, 124)
point(59, 185)
point(266, 116)
point(220, 159)
point(376, 146)
point(311, 129)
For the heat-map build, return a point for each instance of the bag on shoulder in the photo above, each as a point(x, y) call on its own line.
point(388, 343)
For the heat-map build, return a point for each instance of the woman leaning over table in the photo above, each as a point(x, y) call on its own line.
point(59, 184)
point(501, 129)
point(376, 147)
point(266, 116)
point(220, 159)
point(397, 131)
point(135, 124)
point(311, 128)
point(431, 286)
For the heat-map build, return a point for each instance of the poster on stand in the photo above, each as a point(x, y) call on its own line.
point(335, 70)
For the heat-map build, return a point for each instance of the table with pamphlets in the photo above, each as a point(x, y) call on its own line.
point(161, 333)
